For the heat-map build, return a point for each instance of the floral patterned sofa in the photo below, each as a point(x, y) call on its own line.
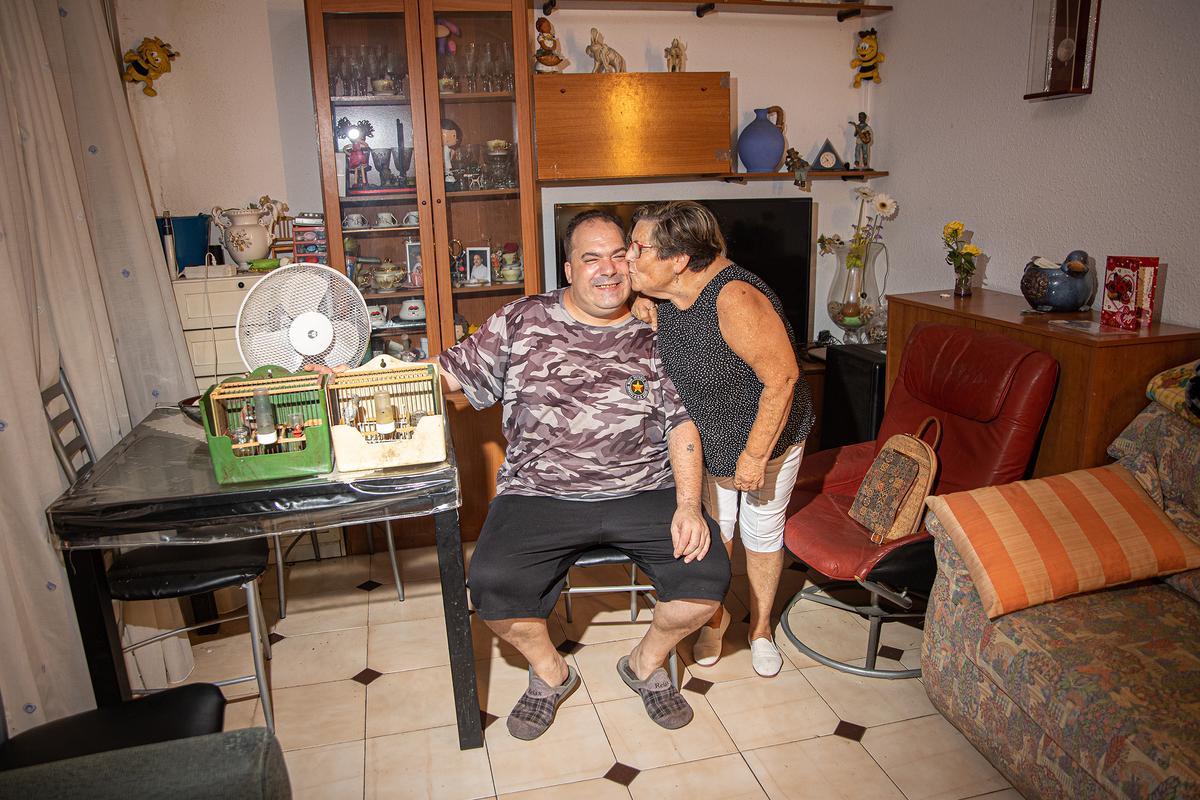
point(1092, 696)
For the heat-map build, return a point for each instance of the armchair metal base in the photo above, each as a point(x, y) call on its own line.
point(874, 612)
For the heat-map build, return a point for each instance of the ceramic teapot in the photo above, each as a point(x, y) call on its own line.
point(388, 276)
point(246, 232)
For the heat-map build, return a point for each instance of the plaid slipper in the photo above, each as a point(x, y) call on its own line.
point(534, 712)
point(664, 704)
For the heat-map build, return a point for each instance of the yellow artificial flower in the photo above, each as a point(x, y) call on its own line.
point(952, 230)
point(971, 250)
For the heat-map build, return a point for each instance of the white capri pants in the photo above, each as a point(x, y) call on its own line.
point(760, 514)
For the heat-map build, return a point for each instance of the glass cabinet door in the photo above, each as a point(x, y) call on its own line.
point(477, 84)
point(370, 99)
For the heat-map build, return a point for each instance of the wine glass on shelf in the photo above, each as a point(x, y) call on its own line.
point(507, 81)
point(336, 58)
point(470, 78)
point(485, 70)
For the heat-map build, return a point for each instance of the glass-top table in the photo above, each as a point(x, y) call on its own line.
point(157, 486)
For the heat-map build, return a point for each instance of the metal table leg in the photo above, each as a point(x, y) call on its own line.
point(98, 625)
point(458, 629)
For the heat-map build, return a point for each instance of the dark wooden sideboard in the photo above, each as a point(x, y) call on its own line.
point(1102, 376)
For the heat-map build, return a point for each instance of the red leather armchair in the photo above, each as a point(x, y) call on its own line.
point(991, 394)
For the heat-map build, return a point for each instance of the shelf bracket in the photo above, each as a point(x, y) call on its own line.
point(549, 6)
point(705, 8)
point(734, 179)
point(842, 16)
point(861, 176)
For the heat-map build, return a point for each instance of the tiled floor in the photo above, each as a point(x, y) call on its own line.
point(364, 708)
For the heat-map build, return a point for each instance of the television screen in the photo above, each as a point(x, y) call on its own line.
point(771, 237)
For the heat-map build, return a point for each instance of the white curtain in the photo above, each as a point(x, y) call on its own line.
point(83, 284)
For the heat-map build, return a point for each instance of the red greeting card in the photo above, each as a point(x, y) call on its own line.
point(1119, 306)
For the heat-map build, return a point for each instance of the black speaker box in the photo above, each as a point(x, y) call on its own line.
point(855, 380)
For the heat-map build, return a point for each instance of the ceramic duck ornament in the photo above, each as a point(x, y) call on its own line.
point(1069, 286)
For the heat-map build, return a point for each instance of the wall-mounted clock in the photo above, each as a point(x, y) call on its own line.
point(827, 159)
point(1062, 48)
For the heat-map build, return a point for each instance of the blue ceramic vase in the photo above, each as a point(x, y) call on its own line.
point(1069, 286)
point(760, 144)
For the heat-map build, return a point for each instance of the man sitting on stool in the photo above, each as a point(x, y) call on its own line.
point(595, 430)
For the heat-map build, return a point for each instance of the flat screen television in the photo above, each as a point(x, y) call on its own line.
point(771, 237)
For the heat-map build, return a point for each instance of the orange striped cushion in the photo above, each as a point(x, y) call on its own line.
point(1030, 542)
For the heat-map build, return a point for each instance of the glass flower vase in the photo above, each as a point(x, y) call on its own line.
point(853, 303)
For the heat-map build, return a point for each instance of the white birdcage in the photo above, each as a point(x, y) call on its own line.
point(409, 430)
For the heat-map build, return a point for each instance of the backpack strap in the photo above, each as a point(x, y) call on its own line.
point(937, 430)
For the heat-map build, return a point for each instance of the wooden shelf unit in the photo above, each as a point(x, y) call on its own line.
point(840, 11)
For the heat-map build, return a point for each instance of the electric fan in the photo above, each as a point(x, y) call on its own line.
point(303, 314)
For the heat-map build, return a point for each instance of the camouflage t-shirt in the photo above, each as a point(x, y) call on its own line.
point(587, 408)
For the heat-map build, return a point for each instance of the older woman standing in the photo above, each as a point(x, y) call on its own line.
point(726, 344)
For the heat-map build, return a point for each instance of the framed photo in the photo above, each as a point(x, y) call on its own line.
point(479, 266)
point(412, 259)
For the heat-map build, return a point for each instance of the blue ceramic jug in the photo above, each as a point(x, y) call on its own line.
point(760, 145)
point(1069, 286)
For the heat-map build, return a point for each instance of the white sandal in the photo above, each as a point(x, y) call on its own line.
point(765, 657)
point(707, 649)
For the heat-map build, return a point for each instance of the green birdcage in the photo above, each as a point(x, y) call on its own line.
point(297, 443)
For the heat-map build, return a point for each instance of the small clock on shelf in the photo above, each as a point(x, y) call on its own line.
point(827, 159)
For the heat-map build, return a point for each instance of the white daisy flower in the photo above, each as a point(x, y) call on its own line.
point(865, 193)
point(885, 206)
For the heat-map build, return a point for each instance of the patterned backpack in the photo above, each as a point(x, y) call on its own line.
point(891, 498)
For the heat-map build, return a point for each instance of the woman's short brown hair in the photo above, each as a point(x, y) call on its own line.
point(684, 227)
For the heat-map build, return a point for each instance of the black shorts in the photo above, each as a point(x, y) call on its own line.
point(529, 543)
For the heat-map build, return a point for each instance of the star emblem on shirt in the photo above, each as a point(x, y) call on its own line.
point(635, 387)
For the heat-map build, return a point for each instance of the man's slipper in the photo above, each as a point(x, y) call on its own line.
point(534, 712)
point(664, 704)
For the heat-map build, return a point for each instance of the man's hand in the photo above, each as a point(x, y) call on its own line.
point(645, 309)
point(748, 475)
point(324, 370)
point(689, 533)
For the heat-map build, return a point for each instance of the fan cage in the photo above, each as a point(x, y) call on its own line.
point(299, 394)
point(273, 304)
point(412, 391)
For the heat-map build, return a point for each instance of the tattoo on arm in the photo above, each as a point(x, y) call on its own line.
point(691, 448)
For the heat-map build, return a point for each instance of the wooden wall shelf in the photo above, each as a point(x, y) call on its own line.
point(842, 11)
point(728, 177)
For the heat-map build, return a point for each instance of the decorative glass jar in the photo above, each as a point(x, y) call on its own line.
point(854, 299)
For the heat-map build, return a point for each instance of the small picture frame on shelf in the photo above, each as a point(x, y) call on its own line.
point(479, 266)
point(412, 258)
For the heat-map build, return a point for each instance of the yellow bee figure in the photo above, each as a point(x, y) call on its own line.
point(148, 63)
point(868, 59)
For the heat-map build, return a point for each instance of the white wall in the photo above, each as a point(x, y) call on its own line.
point(1113, 173)
point(234, 118)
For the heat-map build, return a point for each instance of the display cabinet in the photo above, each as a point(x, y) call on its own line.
point(423, 121)
point(426, 161)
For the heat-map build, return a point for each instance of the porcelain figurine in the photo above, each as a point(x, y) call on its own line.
point(1069, 286)
point(796, 165)
point(548, 57)
point(606, 59)
point(864, 137)
point(676, 55)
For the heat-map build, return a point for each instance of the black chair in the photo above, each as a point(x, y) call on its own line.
point(180, 713)
point(608, 556)
point(169, 572)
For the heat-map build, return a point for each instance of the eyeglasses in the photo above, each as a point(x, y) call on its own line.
point(635, 250)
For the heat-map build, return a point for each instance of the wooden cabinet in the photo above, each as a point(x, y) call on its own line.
point(608, 125)
point(444, 179)
point(208, 311)
point(1102, 376)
